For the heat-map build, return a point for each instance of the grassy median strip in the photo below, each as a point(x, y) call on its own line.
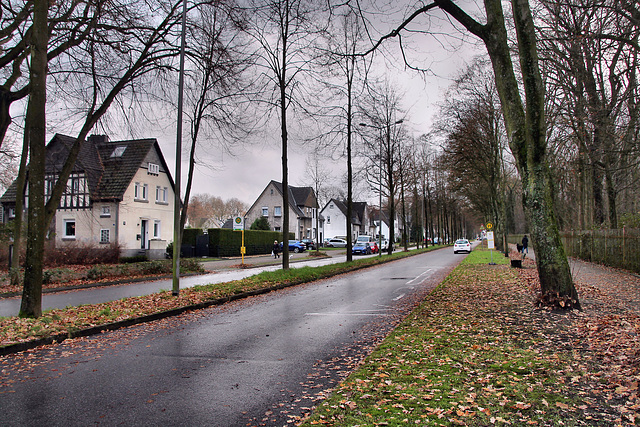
point(71, 321)
point(471, 354)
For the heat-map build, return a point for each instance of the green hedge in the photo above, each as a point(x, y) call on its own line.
point(189, 236)
point(225, 242)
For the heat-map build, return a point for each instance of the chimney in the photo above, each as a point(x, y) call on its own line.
point(98, 139)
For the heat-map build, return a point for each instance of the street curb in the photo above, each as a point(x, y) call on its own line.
point(100, 284)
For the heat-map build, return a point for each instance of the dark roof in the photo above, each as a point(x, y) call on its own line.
point(375, 215)
point(108, 176)
point(357, 210)
point(120, 170)
point(298, 196)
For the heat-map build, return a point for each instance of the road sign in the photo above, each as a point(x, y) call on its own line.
point(238, 223)
point(490, 239)
point(489, 226)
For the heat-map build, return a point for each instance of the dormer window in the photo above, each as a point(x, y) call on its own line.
point(153, 169)
point(118, 151)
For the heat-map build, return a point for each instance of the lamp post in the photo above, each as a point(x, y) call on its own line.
point(388, 129)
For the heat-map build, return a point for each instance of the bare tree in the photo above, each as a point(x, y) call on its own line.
point(218, 60)
point(317, 177)
point(69, 24)
point(590, 53)
point(138, 44)
point(474, 144)
point(283, 30)
point(35, 129)
point(382, 113)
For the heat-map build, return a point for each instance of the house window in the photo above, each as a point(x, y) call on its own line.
point(265, 211)
point(140, 191)
point(156, 229)
point(104, 236)
point(118, 151)
point(328, 220)
point(331, 206)
point(272, 191)
point(106, 212)
point(277, 211)
point(11, 213)
point(69, 229)
point(75, 194)
point(276, 228)
point(153, 169)
point(161, 194)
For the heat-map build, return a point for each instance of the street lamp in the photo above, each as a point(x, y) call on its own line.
point(388, 129)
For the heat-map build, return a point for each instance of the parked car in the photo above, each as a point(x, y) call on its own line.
point(385, 245)
point(461, 245)
point(337, 243)
point(361, 248)
point(309, 243)
point(295, 246)
point(374, 247)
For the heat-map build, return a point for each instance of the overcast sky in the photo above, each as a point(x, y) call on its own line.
point(246, 174)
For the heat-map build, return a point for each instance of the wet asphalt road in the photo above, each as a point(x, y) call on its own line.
point(258, 361)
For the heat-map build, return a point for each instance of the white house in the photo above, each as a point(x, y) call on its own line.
point(118, 192)
point(335, 219)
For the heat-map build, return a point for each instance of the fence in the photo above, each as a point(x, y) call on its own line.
point(616, 248)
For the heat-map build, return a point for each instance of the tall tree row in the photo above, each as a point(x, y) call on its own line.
point(590, 58)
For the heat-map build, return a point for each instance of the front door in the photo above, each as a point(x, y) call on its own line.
point(144, 233)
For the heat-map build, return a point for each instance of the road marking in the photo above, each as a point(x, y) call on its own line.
point(345, 314)
point(399, 297)
point(419, 276)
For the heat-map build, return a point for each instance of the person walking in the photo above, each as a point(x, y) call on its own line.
point(276, 249)
point(525, 244)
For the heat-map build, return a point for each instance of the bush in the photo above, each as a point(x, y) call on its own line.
point(80, 253)
point(260, 223)
point(98, 272)
point(155, 267)
point(133, 259)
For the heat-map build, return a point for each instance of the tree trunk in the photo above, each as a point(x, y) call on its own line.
point(527, 137)
point(31, 305)
point(14, 271)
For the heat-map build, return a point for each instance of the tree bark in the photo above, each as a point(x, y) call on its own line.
point(31, 305)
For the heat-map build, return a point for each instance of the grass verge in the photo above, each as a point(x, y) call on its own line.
point(471, 354)
point(69, 322)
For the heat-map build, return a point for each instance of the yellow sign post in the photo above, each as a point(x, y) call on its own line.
point(238, 225)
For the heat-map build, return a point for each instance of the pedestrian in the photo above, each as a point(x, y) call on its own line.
point(525, 244)
point(276, 249)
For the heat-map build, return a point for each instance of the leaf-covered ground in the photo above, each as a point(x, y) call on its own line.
point(478, 352)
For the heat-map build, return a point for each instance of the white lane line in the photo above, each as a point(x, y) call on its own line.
point(419, 276)
point(399, 297)
point(345, 314)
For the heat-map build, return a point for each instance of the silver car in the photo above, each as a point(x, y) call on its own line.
point(337, 243)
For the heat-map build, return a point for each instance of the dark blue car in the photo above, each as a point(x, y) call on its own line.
point(295, 246)
point(361, 248)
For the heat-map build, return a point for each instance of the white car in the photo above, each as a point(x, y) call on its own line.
point(461, 245)
point(337, 243)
